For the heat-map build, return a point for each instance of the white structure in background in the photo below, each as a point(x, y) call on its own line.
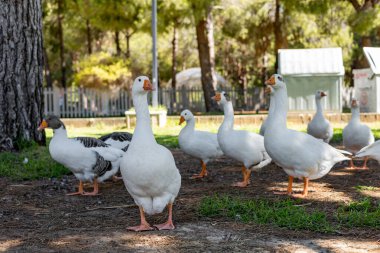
point(308, 70)
point(367, 82)
point(191, 79)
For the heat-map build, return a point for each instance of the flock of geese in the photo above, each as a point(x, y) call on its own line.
point(149, 171)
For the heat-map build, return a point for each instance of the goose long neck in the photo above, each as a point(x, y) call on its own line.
point(143, 131)
point(60, 132)
point(355, 114)
point(228, 122)
point(319, 105)
point(190, 124)
point(281, 108)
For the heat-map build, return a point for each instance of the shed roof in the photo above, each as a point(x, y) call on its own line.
point(316, 61)
point(373, 57)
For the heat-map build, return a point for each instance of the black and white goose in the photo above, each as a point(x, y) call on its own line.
point(120, 140)
point(88, 158)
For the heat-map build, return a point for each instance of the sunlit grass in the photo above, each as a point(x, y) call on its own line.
point(289, 214)
point(283, 213)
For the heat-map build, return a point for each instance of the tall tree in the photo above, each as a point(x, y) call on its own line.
point(205, 38)
point(60, 14)
point(21, 72)
point(174, 14)
point(365, 19)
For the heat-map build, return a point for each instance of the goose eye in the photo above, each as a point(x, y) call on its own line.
point(139, 80)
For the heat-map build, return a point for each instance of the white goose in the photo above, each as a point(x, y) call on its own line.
point(88, 158)
point(319, 126)
point(356, 135)
point(243, 146)
point(200, 144)
point(371, 151)
point(299, 154)
point(148, 169)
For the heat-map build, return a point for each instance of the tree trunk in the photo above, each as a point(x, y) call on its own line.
point(279, 39)
point(117, 43)
point(89, 37)
point(61, 44)
point(21, 73)
point(205, 39)
point(174, 55)
point(127, 40)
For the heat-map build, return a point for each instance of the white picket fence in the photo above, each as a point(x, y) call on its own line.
point(85, 102)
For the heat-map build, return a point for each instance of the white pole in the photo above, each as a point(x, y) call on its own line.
point(154, 52)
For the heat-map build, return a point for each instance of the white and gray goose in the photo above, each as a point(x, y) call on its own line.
point(88, 158)
point(120, 140)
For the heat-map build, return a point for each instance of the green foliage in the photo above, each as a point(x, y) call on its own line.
point(365, 188)
point(364, 213)
point(283, 213)
point(101, 70)
point(365, 21)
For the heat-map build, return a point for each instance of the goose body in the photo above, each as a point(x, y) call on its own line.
point(299, 154)
point(200, 144)
point(88, 158)
point(118, 140)
point(148, 169)
point(243, 146)
point(319, 126)
point(370, 151)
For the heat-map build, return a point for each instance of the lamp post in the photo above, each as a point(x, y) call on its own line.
point(154, 54)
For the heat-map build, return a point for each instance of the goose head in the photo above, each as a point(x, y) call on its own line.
point(276, 81)
point(186, 115)
point(320, 94)
point(354, 103)
point(221, 97)
point(142, 85)
point(51, 121)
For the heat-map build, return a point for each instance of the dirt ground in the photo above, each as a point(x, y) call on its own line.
point(36, 216)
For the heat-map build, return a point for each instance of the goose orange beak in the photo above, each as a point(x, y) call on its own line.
point(271, 81)
point(323, 94)
point(217, 97)
point(43, 125)
point(147, 85)
point(181, 120)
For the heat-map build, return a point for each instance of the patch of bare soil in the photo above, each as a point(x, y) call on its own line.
point(36, 216)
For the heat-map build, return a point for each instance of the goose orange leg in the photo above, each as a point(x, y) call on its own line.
point(80, 190)
point(144, 226)
point(352, 166)
point(95, 191)
point(364, 167)
point(290, 188)
point(169, 224)
point(203, 172)
point(305, 189)
point(246, 176)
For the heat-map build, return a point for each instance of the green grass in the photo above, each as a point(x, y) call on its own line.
point(39, 164)
point(286, 213)
point(283, 213)
point(364, 213)
point(365, 188)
